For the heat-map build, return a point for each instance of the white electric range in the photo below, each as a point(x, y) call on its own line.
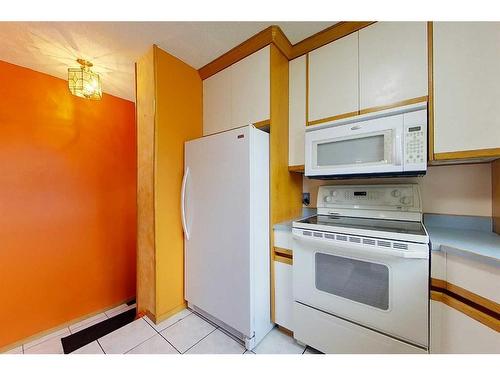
point(361, 271)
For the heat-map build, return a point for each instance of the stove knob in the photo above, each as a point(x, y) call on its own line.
point(334, 193)
point(405, 200)
point(328, 199)
point(395, 193)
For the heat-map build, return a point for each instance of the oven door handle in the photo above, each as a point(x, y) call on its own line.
point(360, 249)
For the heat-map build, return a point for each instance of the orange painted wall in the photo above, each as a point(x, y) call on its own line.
point(67, 203)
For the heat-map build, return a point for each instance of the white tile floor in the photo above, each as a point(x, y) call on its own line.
point(185, 332)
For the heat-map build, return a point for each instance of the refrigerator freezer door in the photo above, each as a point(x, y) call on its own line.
point(217, 206)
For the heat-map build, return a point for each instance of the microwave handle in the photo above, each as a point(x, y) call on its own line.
point(363, 250)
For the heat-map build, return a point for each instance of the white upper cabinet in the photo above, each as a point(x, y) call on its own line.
point(466, 86)
point(216, 102)
point(392, 63)
point(333, 79)
point(250, 99)
point(238, 95)
point(297, 110)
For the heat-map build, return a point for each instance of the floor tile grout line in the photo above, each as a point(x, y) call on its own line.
point(98, 343)
point(142, 342)
point(228, 334)
point(47, 339)
point(215, 329)
point(167, 326)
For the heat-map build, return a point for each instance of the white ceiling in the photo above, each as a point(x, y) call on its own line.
point(113, 47)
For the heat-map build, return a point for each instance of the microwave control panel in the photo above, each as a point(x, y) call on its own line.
point(415, 143)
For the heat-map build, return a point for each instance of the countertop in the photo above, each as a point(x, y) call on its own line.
point(463, 235)
point(287, 225)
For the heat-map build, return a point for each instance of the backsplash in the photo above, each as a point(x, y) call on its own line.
point(452, 189)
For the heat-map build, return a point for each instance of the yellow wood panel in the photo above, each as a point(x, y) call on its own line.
point(146, 282)
point(286, 187)
point(178, 119)
point(495, 191)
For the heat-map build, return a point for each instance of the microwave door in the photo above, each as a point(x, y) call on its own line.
point(372, 147)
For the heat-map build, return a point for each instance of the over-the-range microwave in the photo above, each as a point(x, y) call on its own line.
point(387, 143)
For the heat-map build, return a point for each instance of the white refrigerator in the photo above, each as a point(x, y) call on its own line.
point(225, 217)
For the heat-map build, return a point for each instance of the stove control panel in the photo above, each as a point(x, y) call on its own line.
point(404, 197)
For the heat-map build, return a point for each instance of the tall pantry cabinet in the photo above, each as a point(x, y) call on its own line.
point(169, 112)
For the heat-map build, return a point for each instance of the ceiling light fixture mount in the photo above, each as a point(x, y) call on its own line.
point(83, 82)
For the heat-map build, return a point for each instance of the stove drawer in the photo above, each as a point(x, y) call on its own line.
point(333, 335)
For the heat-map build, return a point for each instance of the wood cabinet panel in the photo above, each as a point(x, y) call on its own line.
point(333, 79)
point(466, 86)
point(392, 63)
point(250, 89)
point(216, 103)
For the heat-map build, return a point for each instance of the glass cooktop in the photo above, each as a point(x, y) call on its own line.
point(383, 225)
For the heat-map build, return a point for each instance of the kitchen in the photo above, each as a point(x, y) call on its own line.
point(337, 193)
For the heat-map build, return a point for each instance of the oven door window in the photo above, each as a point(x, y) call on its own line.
point(366, 149)
point(353, 279)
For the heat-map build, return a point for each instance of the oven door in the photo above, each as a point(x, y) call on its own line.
point(379, 288)
point(373, 146)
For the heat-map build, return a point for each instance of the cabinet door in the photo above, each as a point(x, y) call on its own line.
point(250, 86)
point(333, 79)
point(283, 297)
point(297, 110)
point(392, 63)
point(466, 86)
point(217, 102)
point(453, 332)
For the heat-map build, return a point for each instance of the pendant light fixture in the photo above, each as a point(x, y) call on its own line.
point(83, 82)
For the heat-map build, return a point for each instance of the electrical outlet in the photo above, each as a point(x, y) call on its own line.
point(306, 199)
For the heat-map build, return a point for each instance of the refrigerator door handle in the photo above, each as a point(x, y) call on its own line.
point(183, 205)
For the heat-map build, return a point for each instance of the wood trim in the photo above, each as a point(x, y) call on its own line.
point(334, 32)
point(296, 168)
point(475, 298)
point(473, 305)
point(286, 331)
point(162, 317)
point(464, 293)
point(262, 124)
point(307, 89)
point(420, 99)
point(249, 46)
point(333, 118)
point(274, 35)
point(283, 252)
point(470, 311)
point(401, 103)
point(495, 195)
point(484, 153)
point(280, 40)
point(438, 283)
point(282, 259)
point(430, 90)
